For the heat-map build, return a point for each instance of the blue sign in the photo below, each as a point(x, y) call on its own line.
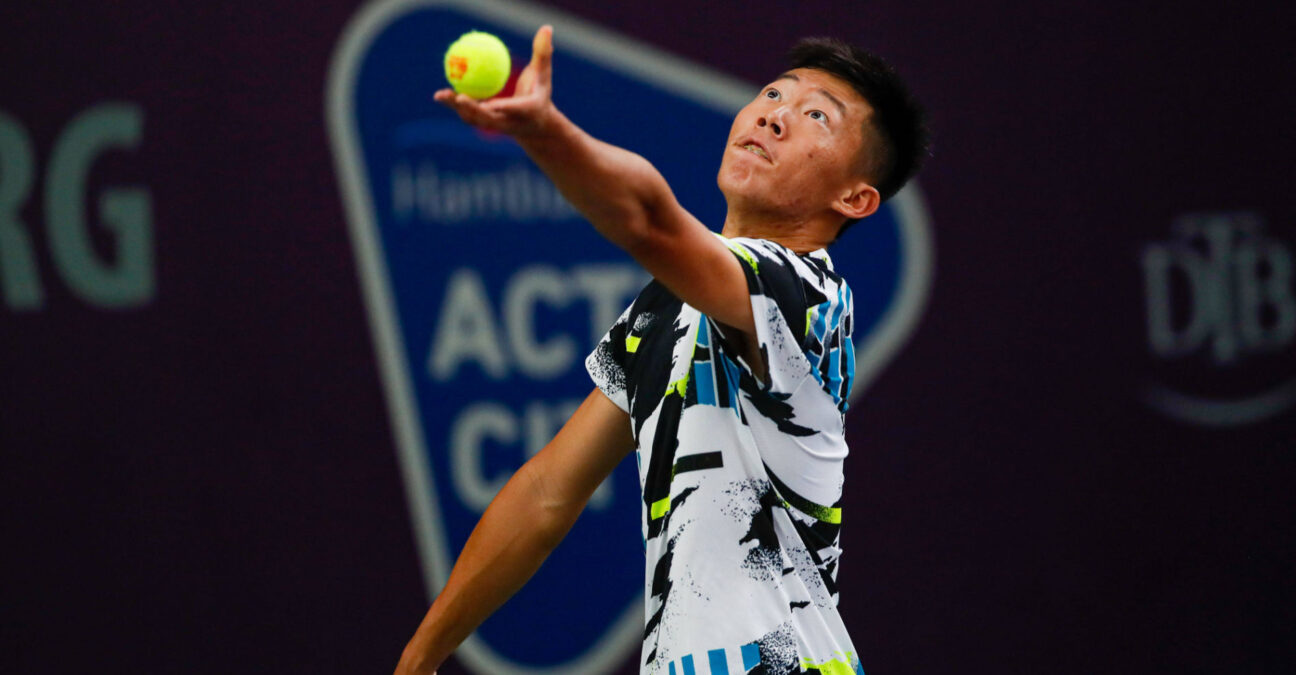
point(486, 290)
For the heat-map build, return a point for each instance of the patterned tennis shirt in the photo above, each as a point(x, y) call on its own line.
point(741, 475)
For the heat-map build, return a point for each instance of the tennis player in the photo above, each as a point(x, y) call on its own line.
point(728, 376)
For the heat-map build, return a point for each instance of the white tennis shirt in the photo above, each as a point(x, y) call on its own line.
point(741, 478)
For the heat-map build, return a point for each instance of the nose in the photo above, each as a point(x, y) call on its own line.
point(773, 120)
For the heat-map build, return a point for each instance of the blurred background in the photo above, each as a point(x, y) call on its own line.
point(1078, 457)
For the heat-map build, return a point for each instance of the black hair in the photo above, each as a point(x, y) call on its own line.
point(898, 121)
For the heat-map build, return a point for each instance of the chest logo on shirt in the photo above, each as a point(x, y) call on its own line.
point(485, 289)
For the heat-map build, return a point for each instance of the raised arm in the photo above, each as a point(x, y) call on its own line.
point(619, 192)
point(522, 525)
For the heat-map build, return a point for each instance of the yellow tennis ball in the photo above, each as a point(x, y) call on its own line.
point(477, 64)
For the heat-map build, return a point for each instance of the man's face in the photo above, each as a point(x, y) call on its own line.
point(796, 148)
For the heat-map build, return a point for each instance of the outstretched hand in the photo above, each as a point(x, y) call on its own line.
point(527, 110)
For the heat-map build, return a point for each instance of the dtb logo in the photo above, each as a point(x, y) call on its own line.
point(1221, 291)
point(485, 290)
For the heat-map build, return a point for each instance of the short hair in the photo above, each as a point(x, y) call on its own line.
point(898, 120)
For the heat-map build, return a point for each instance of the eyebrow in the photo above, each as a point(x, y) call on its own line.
point(841, 107)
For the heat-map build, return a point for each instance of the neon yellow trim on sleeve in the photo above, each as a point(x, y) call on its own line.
point(742, 253)
point(632, 344)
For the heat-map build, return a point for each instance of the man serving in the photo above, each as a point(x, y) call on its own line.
point(728, 376)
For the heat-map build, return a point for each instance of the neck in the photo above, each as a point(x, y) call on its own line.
point(802, 236)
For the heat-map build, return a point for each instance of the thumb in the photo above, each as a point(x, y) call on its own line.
point(542, 55)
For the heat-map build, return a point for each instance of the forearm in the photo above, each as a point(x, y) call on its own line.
point(518, 531)
point(615, 189)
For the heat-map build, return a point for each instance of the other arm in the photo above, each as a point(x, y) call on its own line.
point(522, 525)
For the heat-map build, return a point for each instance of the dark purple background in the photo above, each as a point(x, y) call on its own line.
point(209, 485)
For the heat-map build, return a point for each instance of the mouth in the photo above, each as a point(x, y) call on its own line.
point(754, 148)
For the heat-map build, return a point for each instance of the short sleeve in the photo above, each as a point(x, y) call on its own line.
point(607, 363)
point(777, 282)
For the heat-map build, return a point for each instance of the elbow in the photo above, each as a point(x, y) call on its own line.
point(554, 511)
point(644, 218)
point(629, 211)
point(636, 235)
point(648, 227)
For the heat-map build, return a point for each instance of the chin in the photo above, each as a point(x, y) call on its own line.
point(739, 182)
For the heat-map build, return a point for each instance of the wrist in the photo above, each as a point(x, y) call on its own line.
point(548, 123)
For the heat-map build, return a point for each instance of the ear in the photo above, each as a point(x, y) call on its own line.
point(859, 201)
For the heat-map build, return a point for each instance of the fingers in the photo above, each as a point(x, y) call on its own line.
point(509, 115)
point(469, 109)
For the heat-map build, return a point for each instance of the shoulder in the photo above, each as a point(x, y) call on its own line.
point(756, 251)
point(814, 271)
point(816, 265)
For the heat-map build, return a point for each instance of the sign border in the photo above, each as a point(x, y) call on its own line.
point(687, 79)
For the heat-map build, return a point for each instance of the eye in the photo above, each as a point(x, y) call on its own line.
point(773, 94)
point(818, 115)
